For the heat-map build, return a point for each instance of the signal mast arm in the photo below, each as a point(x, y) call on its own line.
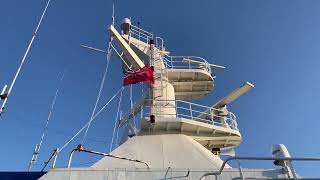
point(130, 55)
point(247, 86)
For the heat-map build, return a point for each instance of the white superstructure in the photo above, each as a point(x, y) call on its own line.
point(177, 139)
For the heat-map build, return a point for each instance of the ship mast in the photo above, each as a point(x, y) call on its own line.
point(177, 79)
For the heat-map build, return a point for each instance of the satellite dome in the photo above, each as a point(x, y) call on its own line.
point(125, 25)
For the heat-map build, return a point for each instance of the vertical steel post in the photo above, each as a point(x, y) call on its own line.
point(55, 158)
point(190, 108)
point(3, 90)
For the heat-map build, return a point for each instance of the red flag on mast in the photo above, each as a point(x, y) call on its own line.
point(144, 74)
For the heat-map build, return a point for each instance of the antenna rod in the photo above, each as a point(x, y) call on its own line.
point(112, 13)
point(94, 49)
point(24, 58)
point(38, 146)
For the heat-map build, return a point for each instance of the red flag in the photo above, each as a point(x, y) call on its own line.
point(144, 74)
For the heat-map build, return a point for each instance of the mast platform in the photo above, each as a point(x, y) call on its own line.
point(190, 83)
point(208, 135)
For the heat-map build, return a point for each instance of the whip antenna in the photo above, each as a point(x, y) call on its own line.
point(4, 96)
point(112, 13)
point(38, 146)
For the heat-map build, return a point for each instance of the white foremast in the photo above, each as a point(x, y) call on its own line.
point(178, 78)
point(177, 139)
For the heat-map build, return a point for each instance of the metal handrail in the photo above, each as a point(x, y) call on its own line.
point(192, 111)
point(142, 30)
point(102, 154)
point(169, 61)
point(140, 34)
point(159, 46)
point(175, 60)
point(145, 35)
point(176, 177)
point(256, 158)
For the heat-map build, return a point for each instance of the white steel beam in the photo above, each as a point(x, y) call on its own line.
point(247, 86)
point(229, 98)
point(128, 52)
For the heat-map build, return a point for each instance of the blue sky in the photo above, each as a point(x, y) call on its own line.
point(273, 44)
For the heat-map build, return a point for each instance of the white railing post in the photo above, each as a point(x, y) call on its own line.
point(3, 90)
point(55, 158)
point(176, 108)
point(190, 108)
point(211, 114)
point(70, 158)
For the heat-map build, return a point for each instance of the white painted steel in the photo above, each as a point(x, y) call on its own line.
point(55, 158)
point(3, 90)
point(178, 145)
point(157, 174)
point(247, 86)
point(207, 134)
point(212, 66)
point(281, 151)
point(163, 95)
point(229, 98)
point(190, 83)
point(161, 151)
point(125, 25)
point(129, 53)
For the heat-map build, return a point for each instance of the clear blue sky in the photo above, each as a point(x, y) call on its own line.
point(274, 44)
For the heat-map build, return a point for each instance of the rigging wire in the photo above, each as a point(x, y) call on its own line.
point(117, 141)
point(94, 117)
point(116, 120)
point(100, 90)
point(131, 105)
point(24, 57)
point(109, 50)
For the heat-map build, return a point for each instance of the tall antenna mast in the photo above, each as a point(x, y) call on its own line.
point(38, 146)
point(4, 96)
point(113, 12)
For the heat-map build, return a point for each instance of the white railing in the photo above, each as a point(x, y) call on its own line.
point(196, 112)
point(146, 36)
point(140, 34)
point(159, 43)
point(238, 158)
point(181, 62)
point(171, 62)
